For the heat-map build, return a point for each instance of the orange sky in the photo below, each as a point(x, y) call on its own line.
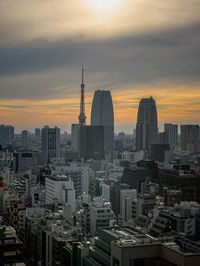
point(135, 48)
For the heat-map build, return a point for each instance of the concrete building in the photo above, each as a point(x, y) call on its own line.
point(147, 124)
point(60, 189)
point(50, 143)
point(146, 250)
point(190, 138)
point(126, 199)
point(101, 215)
point(75, 132)
point(10, 247)
point(25, 160)
point(102, 114)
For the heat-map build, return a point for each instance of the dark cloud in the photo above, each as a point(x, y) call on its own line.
point(44, 69)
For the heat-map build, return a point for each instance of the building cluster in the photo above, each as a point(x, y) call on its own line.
point(93, 198)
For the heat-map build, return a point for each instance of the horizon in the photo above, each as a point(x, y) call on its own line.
point(44, 45)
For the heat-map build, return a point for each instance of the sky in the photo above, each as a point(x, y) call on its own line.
point(134, 48)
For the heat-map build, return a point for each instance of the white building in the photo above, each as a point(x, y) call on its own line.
point(101, 215)
point(133, 156)
point(60, 189)
point(80, 175)
point(105, 192)
point(126, 198)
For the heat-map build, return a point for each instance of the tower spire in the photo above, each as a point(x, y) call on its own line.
point(82, 117)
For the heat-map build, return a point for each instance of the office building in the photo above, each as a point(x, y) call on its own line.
point(92, 142)
point(37, 132)
point(60, 189)
point(75, 132)
point(6, 135)
point(102, 114)
point(24, 136)
point(147, 124)
point(190, 138)
point(50, 143)
point(171, 134)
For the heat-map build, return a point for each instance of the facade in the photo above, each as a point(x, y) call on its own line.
point(92, 142)
point(50, 143)
point(101, 215)
point(158, 151)
point(102, 114)
point(6, 135)
point(75, 131)
point(26, 160)
point(190, 138)
point(147, 124)
point(24, 136)
point(10, 247)
point(171, 134)
point(60, 189)
point(37, 132)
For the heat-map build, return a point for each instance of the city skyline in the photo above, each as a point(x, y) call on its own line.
point(151, 55)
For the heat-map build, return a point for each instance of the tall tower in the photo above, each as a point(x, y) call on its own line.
point(147, 124)
point(82, 116)
point(102, 114)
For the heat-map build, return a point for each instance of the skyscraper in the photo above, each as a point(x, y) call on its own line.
point(24, 136)
point(147, 124)
point(6, 135)
point(102, 115)
point(190, 138)
point(50, 143)
point(92, 142)
point(171, 133)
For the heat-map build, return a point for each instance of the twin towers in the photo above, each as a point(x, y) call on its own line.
point(100, 132)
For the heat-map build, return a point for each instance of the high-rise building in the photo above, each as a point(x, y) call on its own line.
point(92, 142)
point(6, 135)
point(75, 132)
point(190, 138)
point(147, 124)
point(37, 132)
point(102, 115)
point(24, 136)
point(50, 143)
point(171, 134)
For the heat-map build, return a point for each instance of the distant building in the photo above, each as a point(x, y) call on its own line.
point(92, 142)
point(37, 132)
point(190, 138)
point(26, 160)
point(147, 124)
point(50, 143)
point(24, 136)
point(75, 132)
point(171, 133)
point(6, 135)
point(102, 114)
point(158, 151)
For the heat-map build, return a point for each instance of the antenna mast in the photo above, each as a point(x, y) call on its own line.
point(82, 117)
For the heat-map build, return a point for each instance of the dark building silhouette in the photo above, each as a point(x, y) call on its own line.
point(158, 151)
point(92, 142)
point(147, 124)
point(102, 115)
